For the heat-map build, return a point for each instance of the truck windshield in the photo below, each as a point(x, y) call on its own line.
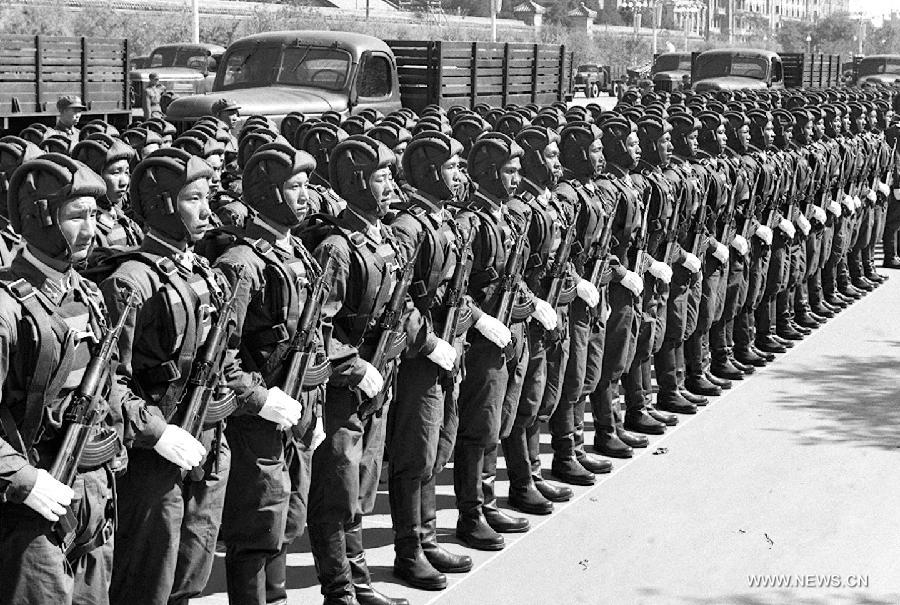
point(723, 65)
point(256, 66)
point(175, 56)
point(672, 63)
point(591, 69)
point(869, 67)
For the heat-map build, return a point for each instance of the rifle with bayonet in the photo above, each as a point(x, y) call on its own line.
point(82, 418)
point(559, 270)
point(456, 291)
point(600, 247)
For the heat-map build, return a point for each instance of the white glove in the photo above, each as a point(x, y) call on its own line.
point(494, 330)
point(545, 314)
point(633, 282)
point(897, 193)
point(661, 271)
point(49, 498)
point(787, 227)
point(179, 447)
point(883, 188)
point(721, 252)
point(819, 214)
point(587, 292)
point(835, 208)
point(281, 408)
point(803, 224)
point(871, 195)
point(443, 354)
point(857, 203)
point(318, 435)
point(372, 382)
point(765, 234)
point(741, 245)
point(691, 262)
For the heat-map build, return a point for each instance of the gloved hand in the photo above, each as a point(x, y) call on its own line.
point(372, 381)
point(871, 195)
point(49, 498)
point(897, 193)
point(883, 188)
point(633, 282)
point(494, 330)
point(587, 292)
point(787, 227)
point(691, 262)
point(661, 271)
point(281, 408)
point(835, 208)
point(857, 203)
point(765, 234)
point(545, 314)
point(443, 354)
point(179, 447)
point(741, 245)
point(318, 435)
point(720, 252)
point(803, 224)
point(819, 214)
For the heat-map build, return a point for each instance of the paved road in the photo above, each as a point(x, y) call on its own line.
point(792, 473)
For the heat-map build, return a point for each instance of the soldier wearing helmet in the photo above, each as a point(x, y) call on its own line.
point(319, 140)
point(51, 320)
point(13, 152)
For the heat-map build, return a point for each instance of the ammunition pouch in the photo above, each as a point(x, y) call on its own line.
point(318, 372)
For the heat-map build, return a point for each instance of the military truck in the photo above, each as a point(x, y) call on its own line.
point(592, 79)
point(35, 71)
point(671, 71)
point(273, 74)
point(184, 69)
point(877, 69)
point(751, 68)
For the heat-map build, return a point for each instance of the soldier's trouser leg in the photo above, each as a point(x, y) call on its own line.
point(256, 506)
point(157, 509)
point(891, 226)
point(557, 363)
point(33, 568)
point(484, 402)
point(414, 422)
point(592, 370)
point(563, 421)
point(334, 493)
point(374, 429)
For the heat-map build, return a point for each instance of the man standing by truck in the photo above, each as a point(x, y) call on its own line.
point(70, 109)
point(152, 98)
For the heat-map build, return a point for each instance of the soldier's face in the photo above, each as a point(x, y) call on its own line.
point(664, 147)
point(510, 175)
point(381, 185)
point(193, 208)
point(296, 194)
point(693, 140)
point(69, 117)
point(550, 154)
point(788, 135)
point(117, 176)
point(399, 150)
point(873, 119)
point(77, 223)
point(808, 131)
point(820, 128)
point(837, 123)
point(769, 133)
point(451, 174)
point(744, 135)
point(721, 136)
point(216, 162)
point(230, 117)
point(633, 147)
point(595, 155)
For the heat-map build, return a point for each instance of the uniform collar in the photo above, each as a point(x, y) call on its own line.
point(375, 232)
point(431, 205)
point(52, 283)
point(156, 243)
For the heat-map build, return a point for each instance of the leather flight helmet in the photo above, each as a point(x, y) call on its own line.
point(575, 141)
point(489, 154)
point(533, 140)
point(267, 170)
point(422, 162)
point(352, 163)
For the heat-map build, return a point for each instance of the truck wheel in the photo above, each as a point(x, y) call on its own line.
point(595, 90)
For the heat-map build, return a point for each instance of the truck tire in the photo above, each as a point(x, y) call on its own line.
point(595, 90)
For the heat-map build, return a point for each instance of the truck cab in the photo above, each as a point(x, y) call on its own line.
point(184, 69)
point(736, 68)
point(878, 70)
point(671, 71)
point(275, 73)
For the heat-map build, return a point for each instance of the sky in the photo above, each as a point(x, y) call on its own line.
point(874, 8)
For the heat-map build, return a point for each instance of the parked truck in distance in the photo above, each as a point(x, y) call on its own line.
point(592, 79)
point(671, 71)
point(877, 69)
point(273, 74)
point(750, 68)
point(35, 71)
point(184, 69)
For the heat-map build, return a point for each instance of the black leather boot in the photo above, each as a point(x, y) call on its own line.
point(553, 493)
point(523, 495)
point(359, 570)
point(472, 527)
point(329, 551)
point(631, 439)
point(496, 518)
point(410, 564)
point(566, 467)
point(440, 558)
point(606, 439)
point(722, 367)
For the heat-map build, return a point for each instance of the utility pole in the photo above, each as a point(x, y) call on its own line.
point(494, 10)
point(195, 21)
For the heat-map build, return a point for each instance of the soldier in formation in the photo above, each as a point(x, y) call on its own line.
point(226, 336)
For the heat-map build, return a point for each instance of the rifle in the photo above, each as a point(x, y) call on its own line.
point(510, 280)
point(641, 242)
point(207, 368)
point(600, 254)
point(701, 220)
point(792, 199)
point(558, 273)
point(672, 231)
point(750, 212)
point(729, 225)
point(82, 417)
point(392, 339)
point(456, 291)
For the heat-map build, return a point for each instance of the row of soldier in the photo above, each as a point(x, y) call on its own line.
point(242, 329)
